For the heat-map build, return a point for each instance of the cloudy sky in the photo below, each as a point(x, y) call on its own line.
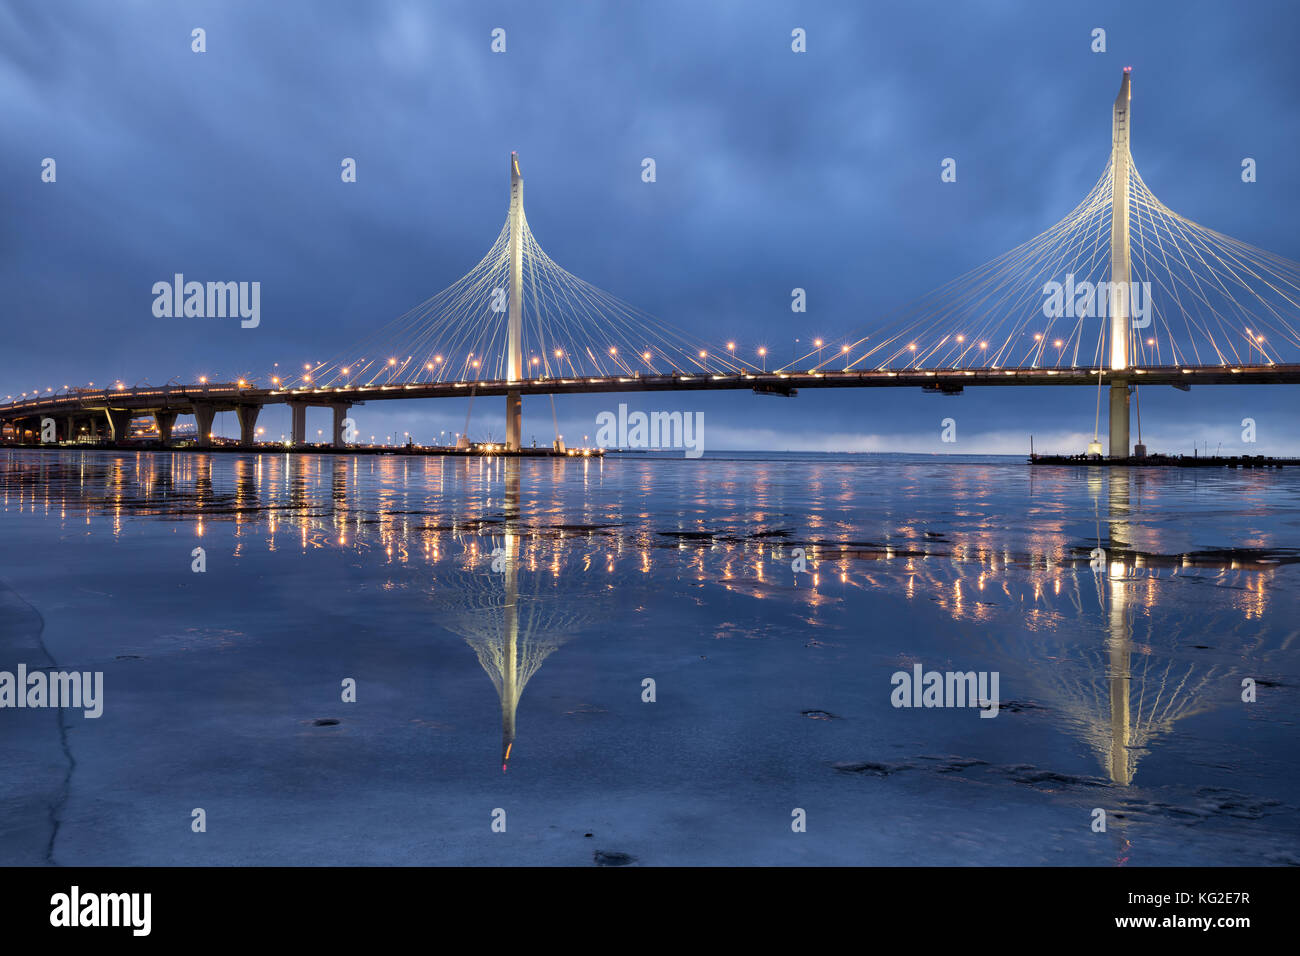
point(775, 170)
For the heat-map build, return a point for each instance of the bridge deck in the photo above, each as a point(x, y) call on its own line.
point(230, 396)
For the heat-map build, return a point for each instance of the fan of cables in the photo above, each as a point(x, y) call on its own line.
point(1198, 298)
point(571, 330)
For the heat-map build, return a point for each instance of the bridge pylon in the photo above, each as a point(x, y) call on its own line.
point(1121, 271)
point(515, 327)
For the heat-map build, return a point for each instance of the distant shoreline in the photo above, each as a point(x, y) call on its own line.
point(1246, 462)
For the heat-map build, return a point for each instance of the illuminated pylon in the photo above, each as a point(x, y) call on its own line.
point(514, 349)
point(1121, 271)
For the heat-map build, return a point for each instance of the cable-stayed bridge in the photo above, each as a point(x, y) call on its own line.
point(1122, 292)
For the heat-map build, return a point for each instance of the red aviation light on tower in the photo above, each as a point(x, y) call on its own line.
point(1128, 69)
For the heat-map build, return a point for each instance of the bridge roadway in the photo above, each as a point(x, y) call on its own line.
point(106, 413)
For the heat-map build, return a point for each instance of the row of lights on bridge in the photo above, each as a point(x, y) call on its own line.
point(613, 350)
point(819, 344)
point(535, 360)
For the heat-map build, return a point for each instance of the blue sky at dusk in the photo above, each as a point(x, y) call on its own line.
point(775, 170)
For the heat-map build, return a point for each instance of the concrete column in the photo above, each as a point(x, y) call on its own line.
point(1120, 268)
point(298, 427)
point(70, 428)
point(203, 415)
point(247, 423)
point(341, 410)
point(165, 418)
point(1119, 419)
point(119, 420)
point(1121, 271)
point(514, 333)
point(514, 420)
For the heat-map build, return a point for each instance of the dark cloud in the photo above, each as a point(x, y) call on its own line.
point(774, 171)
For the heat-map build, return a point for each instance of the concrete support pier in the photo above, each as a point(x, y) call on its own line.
point(165, 419)
point(1119, 392)
point(119, 420)
point(298, 423)
point(341, 410)
point(203, 416)
point(248, 424)
point(514, 419)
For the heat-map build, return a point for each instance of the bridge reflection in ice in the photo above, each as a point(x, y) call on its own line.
point(513, 611)
point(986, 564)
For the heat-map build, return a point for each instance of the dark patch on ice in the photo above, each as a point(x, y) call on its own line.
point(688, 535)
point(830, 550)
point(870, 767)
point(1049, 779)
point(1234, 803)
point(564, 529)
point(611, 858)
point(1013, 706)
point(129, 657)
point(1248, 559)
point(1169, 808)
point(1212, 802)
point(774, 533)
point(1244, 558)
point(952, 764)
point(324, 722)
point(820, 714)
